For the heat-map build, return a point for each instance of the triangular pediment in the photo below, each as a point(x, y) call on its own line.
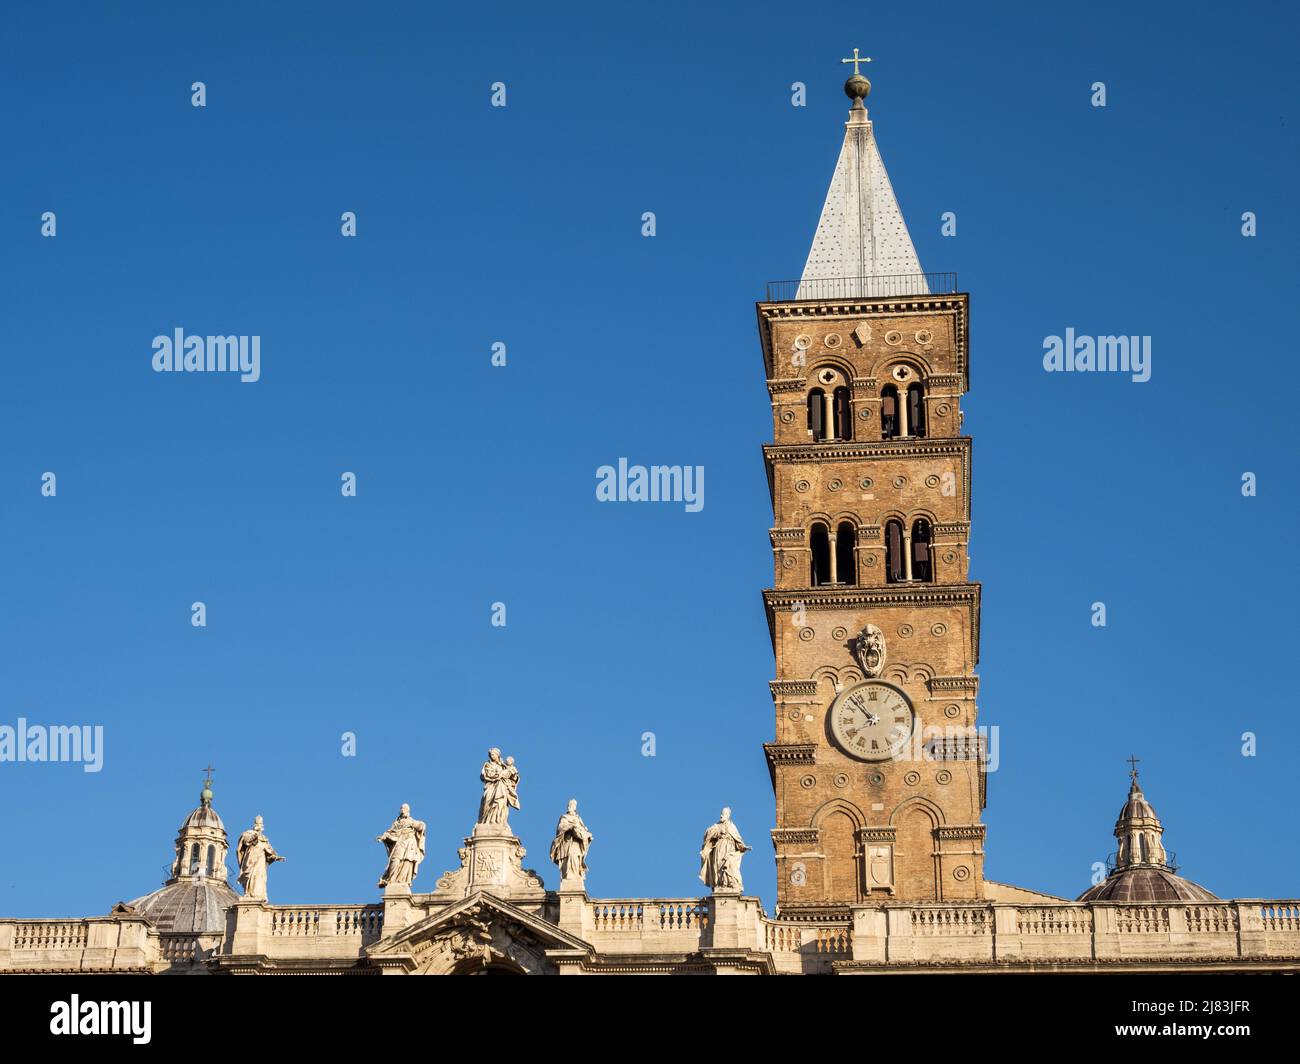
point(477, 933)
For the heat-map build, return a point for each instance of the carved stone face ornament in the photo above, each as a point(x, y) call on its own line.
point(869, 651)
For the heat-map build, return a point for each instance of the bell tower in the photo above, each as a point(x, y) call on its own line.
point(876, 765)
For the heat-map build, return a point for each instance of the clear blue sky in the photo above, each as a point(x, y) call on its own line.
point(522, 225)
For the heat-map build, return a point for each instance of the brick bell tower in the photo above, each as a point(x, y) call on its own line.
point(878, 772)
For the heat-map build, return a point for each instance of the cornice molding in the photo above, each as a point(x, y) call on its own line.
point(790, 753)
point(961, 831)
point(949, 684)
point(838, 451)
point(957, 304)
point(906, 595)
point(793, 688)
point(796, 836)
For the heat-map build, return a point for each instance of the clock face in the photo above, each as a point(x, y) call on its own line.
point(871, 721)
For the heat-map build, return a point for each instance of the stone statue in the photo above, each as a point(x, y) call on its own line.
point(255, 855)
point(869, 651)
point(720, 855)
point(500, 790)
point(404, 841)
point(572, 841)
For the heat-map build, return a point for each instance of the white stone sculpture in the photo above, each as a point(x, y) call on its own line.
point(720, 856)
point(570, 846)
point(404, 841)
point(500, 790)
point(255, 855)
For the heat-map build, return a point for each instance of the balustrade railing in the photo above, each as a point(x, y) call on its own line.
point(51, 934)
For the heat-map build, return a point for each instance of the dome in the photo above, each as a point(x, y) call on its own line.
point(195, 906)
point(1144, 871)
point(1146, 884)
point(204, 818)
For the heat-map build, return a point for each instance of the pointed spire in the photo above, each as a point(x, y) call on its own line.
point(862, 246)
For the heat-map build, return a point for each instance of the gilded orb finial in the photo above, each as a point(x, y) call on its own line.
point(857, 88)
point(206, 793)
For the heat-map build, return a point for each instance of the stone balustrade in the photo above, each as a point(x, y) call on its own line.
point(303, 931)
point(98, 944)
point(965, 936)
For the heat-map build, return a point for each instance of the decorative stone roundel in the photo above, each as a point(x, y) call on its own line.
point(924, 336)
point(787, 416)
point(877, 778)
point(912, 779)
point(931, 481)
point(808, 782)
point(840, 780)
point(943, 410)
point(787, 562)
point(806, 634)
point(943, 776)
point(866, 483)
point(836, 485)
point(950, 556)
point(961, 873)
point(900, 482)
point(865, 414)
point(939, 629)
point(796, 713)
point(832, 340)
point(870, 559)
point(893, 337)
point(801, 485)
point(839, 633)
point(951, 711)
point(801, 343)
point(905, 630)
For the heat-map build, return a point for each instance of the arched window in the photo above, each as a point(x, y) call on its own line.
point(212, 860)
point(888, 412)
point(922, 555)
point(915, 410)
point(194, 859)
point(846, 538)
point(817, 414)
point(895, 570)
point(821, 554)
point(843, 414)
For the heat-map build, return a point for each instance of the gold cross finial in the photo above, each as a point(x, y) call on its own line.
point(1133, 768)
point(856, 60)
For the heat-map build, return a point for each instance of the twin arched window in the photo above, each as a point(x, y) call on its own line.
point(902, 413)
point(833, 562)
point(909, 556)
point(830, 414)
